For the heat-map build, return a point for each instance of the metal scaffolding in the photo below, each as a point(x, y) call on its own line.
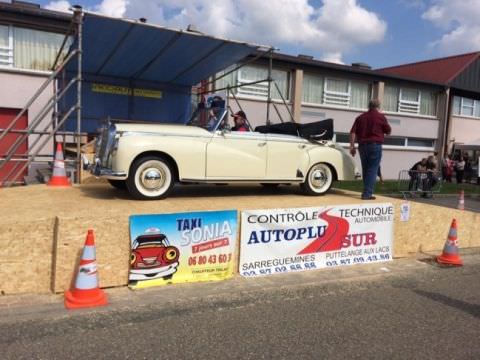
point(44, 129)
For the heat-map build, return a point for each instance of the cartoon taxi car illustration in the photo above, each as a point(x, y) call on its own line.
point(152, 257)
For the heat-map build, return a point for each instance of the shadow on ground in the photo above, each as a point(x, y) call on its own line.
point(468, 308)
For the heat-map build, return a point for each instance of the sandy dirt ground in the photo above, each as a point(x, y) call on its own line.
point(100, 199)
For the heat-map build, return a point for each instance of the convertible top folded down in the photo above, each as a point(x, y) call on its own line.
point(319, 130)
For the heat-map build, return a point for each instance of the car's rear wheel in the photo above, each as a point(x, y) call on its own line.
point(150, 178)
point(118, 184)
point(319, 180)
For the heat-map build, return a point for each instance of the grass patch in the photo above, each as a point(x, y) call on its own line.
point(392, 187)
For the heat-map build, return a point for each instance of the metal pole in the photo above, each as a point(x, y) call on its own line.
point(65, 39)
point(236, 86)
point(259, 55)
point(446, 118)
point(227, 105)
point(269, 99)
point(55, 106)
point(284, 102)
point(78, 15)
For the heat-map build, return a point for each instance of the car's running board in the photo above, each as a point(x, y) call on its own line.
point(256, 181)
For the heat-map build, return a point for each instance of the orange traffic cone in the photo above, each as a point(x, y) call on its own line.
point(449, 254)
point(59, 176)
point(461, 201)
point(86, 292)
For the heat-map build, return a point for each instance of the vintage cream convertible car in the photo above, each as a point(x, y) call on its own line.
point(150, 158)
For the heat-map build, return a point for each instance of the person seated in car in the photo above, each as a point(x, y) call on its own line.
point(239, 118)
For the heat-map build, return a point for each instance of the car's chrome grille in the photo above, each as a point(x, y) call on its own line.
point(105, 143)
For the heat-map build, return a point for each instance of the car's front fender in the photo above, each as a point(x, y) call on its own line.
point(187, 152)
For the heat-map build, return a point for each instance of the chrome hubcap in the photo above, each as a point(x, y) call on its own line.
point(318, 178)
point(152, 178)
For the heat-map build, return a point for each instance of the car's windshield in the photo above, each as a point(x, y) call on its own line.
point(208, 119)
point(151, 240)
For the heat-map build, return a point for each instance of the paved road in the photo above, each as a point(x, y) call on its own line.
point(404, 309)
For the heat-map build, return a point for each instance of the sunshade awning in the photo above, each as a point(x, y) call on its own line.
point(134, 50)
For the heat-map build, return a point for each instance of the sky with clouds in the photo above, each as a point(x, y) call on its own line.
point(378, 32)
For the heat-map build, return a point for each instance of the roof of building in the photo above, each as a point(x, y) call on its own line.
point(357, 68)
point(23, 13)
point(443, 70)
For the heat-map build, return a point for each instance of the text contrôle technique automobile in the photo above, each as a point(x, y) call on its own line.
point(148, 159)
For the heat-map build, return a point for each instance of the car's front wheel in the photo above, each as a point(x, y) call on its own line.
point(319, 180)
point(150, 178)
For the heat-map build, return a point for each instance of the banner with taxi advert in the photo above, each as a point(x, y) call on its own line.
point(283, 240)
point(182, 247)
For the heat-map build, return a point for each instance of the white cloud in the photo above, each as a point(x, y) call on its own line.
point(459, 22)
point(61, 5)
point(113, 8)
point(334, 57)
point(330, 30)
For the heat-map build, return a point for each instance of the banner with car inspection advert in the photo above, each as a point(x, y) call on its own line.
point(283, 240)
point(182, 247)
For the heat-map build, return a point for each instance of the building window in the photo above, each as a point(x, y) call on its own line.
point(6, 46)
point(312, 91)
point(409, 101)
point(466, 107)
point(342, 138)
point(428, 103)
point(418, 142)
point(251, 73)
point(360, 94)
point(394, 141)
point(29, 49)
point(337, 92)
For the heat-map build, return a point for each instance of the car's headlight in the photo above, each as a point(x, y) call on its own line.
point(170, 254)
point(133, 258)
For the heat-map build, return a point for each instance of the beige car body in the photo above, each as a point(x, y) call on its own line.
point(148, 159)
point(229, 156)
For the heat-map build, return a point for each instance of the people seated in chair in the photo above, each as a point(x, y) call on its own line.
point(417, 173)
point(239, 118)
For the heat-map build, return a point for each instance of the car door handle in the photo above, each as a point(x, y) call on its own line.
point(262, 144)
point(302, 146)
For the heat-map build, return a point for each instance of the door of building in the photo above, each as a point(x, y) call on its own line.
point(6, 117)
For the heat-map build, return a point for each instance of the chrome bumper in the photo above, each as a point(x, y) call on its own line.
point(98, 171)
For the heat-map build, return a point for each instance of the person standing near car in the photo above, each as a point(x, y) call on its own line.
point(369, 130)
point(460, 169)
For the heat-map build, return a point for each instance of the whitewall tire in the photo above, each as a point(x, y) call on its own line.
point(319, 180)
point(150, 178)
